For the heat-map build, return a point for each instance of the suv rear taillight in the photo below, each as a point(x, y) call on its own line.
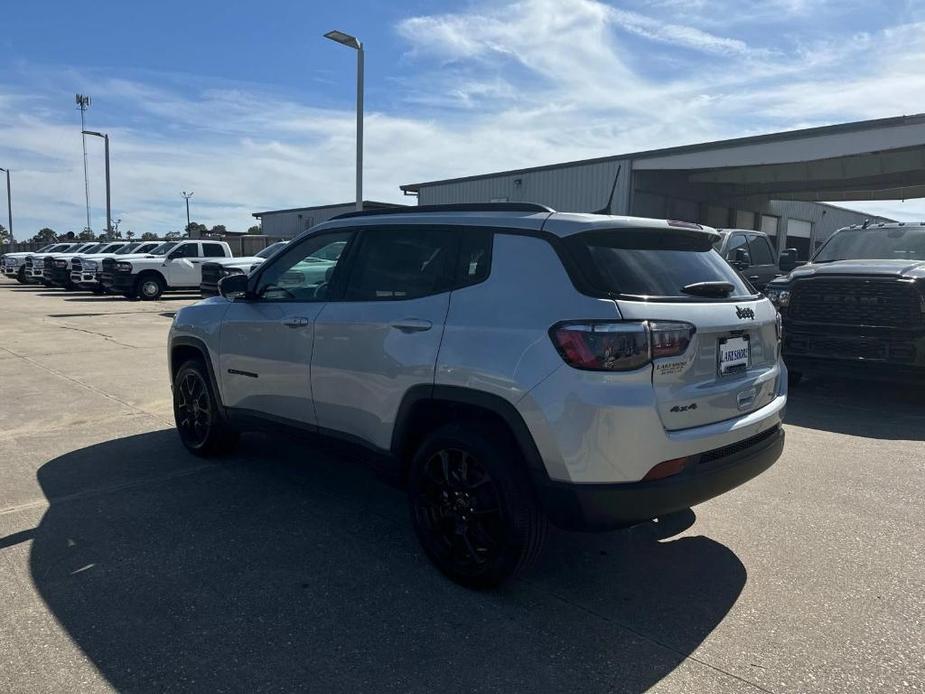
point(619, 345)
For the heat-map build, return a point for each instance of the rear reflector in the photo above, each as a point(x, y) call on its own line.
point(666, 469)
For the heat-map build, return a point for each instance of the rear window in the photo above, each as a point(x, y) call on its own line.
point(653, 263)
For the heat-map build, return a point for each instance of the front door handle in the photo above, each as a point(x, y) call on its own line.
point(296, 322)
point(753, 277)
point(412, 325)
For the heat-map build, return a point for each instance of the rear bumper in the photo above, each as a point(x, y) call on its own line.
point(599, 507)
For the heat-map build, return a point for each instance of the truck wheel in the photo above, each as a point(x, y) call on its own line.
point(794, 378)
point(98, 290)
point(21, 276)
point(196, 412)
point(150, 287)
point(473, 507)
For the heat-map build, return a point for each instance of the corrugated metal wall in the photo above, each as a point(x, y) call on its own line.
point(826, 219)
point(287, 225)
point(578, 188)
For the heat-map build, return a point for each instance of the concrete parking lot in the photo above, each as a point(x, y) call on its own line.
point(126, 563)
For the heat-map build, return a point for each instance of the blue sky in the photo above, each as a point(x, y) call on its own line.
point(250, 108)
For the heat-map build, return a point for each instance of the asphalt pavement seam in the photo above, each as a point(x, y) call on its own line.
point(100, 491)
point(86, 386)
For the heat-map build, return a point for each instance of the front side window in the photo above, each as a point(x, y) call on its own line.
point(401, 264)
point(737, 250)
point(213, 250)
point(187, 250)
point(164, 248)
point(760, 250)
point(650, 263)
point(304, 271)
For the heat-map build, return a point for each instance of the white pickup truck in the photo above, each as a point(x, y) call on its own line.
point(14, 264)
point(86, 269)
point(172, 266)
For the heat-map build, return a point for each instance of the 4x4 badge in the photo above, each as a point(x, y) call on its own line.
point(744, 313)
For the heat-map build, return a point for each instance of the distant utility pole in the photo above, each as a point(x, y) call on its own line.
point(187, 196)
point(9, 203)
point(83, 103)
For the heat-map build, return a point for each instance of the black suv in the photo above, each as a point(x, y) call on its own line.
point(858, 308)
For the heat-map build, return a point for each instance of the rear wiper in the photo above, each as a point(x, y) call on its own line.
point(708, 288)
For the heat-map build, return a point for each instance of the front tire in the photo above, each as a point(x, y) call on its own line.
point(150, 287)
point(197, 414)
point(794, 378)
point(473, 507)
point(21, 276)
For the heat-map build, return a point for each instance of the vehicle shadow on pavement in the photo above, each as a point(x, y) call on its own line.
point(894, 411)
point(285, 567)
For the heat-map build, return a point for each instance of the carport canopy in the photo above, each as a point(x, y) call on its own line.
point(868, 160)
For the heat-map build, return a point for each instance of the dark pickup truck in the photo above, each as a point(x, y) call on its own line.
point(858, 308)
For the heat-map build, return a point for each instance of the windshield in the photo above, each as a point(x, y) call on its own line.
point(896, 243)
point(128, 248)
point(164, 248)
point(60, 247)
point(92, 249)
point(272, 249)
point(653, 263)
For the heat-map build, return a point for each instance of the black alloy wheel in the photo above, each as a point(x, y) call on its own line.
point(196, 413)
point(473, 508)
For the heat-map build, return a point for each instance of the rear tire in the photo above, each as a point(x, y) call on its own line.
point(473, 507)
point(150, 287)
point(794, 378)
point(197, 414)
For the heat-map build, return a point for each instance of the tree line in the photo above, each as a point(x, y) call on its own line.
point(47, 235)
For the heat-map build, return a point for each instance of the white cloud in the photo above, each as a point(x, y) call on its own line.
point(492, 87)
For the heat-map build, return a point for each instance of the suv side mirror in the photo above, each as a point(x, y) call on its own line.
point(788, 259)
point(233, 286)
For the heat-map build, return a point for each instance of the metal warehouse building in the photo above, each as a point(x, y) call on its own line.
point(768, 182)
point(286, 224)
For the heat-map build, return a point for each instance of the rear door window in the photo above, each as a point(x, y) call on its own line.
point(213, 250)
point(652, 263)
point(401, 264)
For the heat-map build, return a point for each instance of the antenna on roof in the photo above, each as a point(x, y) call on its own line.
point(606, 209)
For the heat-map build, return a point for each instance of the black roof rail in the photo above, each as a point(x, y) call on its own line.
point(458, 207)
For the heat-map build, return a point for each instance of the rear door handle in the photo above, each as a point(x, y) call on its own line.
point(296, 322)
point(412, 325)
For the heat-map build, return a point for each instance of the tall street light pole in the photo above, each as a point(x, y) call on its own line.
point(108, 193)
point(83, 103)
point(9, 203)
point(187, 196)
point(353, 42)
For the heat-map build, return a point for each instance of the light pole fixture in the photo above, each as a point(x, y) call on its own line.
point(353, 42)
point(83, 103)
point(187, 196)
point(105, 137)
point(9, 203)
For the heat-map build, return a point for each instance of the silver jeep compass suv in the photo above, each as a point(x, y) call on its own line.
point(514, 364)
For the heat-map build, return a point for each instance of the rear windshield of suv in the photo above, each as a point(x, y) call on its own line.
point(895, 243)
point(653, 263)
